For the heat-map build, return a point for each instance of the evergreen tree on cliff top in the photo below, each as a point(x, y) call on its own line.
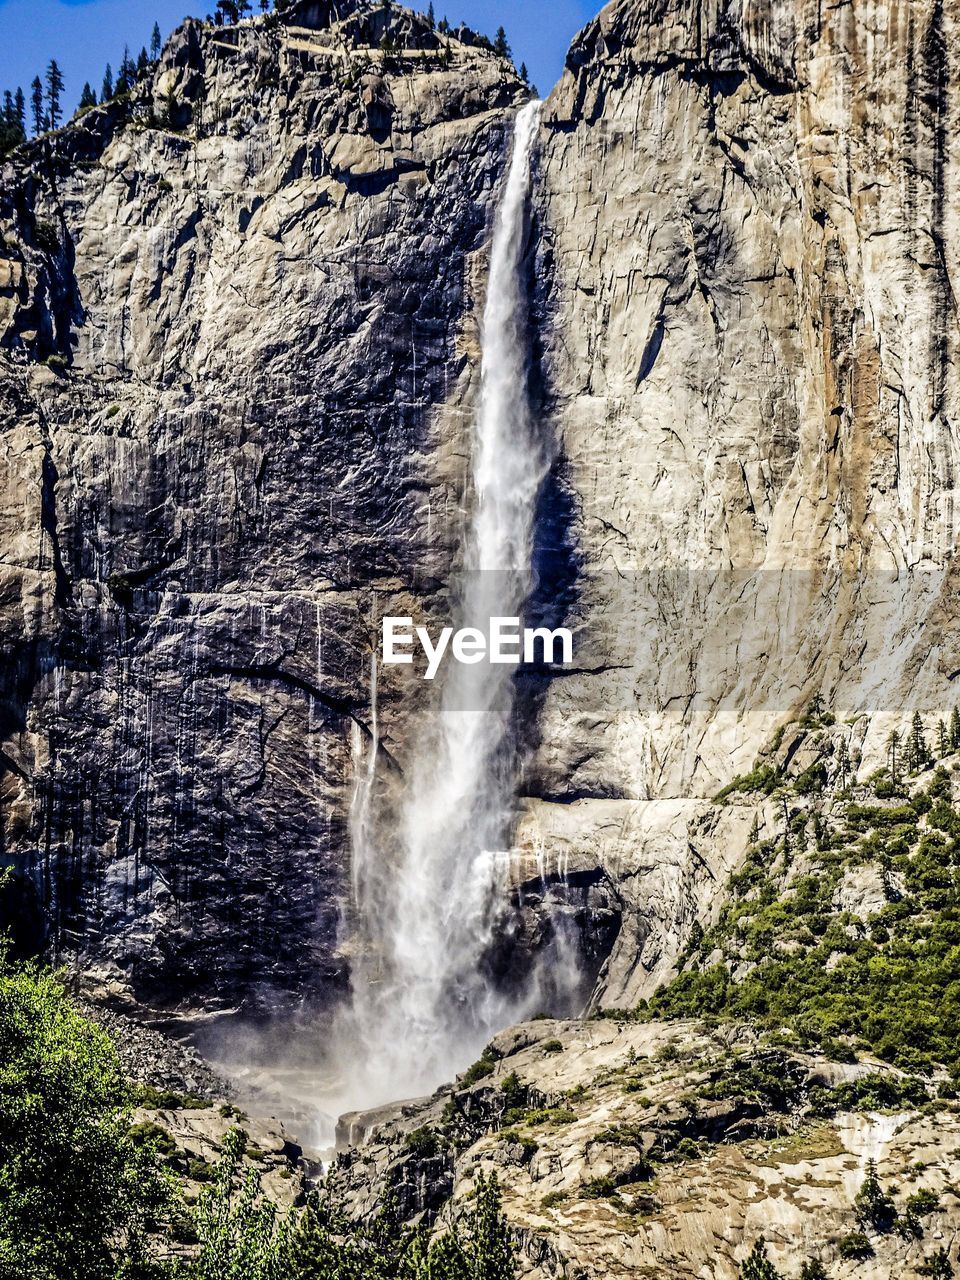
point(36, 106)
point(54, 90)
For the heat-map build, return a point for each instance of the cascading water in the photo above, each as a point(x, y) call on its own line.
point(430, 891)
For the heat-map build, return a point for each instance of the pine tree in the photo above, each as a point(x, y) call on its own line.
point(843, 762)
point(243, 6)
point(500, 46)
point(755, 830)
point(229, 10)
point(524, 74)
point(127, 75)
point(88, 98)
point(156, 42)
point(893, 746)
point(431, 17)
point(955, 728)
point(493, 1256)
point(36, 104)
point(54, 90)
point(874, 1207)
point(758, 1266)
point(918, 753)
point(264, 5)
point(943, 739)
point(812, 1269)
point(106, 89)
point(11, 124)
point(20, 110)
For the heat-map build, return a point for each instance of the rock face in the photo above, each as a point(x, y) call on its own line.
point(255, 288)
point(748, 264)
point(249, 291)
point(629, 1150)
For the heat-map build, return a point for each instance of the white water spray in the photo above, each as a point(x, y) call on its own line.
point(429, 892)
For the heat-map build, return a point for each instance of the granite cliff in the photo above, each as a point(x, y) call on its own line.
point(239, 332)
point(239, 352)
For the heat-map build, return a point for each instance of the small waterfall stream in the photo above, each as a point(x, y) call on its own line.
point(429, 891)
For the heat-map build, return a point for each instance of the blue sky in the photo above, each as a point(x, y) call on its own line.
point(83, 35)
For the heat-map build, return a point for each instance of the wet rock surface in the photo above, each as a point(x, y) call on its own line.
point(252, 287)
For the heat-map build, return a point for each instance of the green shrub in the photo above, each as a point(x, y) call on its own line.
point(923, 1202)
point(150, 1134)
point(153, 1099)
point(484, 1066)
point(513, 1091)
point(812, 1269)
point(855, 1245)
point(200, 1170)
point(552, 1046)
point(422, 1142)
point(937, 1265)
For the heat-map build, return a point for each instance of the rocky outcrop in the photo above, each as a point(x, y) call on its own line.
point(236, 330)
point(628, 1149)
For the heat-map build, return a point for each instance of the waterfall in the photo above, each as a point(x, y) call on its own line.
point(429, 891)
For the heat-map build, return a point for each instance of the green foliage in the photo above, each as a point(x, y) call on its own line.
point(764, 1082)
point(326, 1245)
point(552, 1046)
point(937, 1266)
point(541, 1116)
point(423, 1142)
point(153, 1136)
point(923, 1202)
point(77, 1194)
point(514, 1092)
point(891, 983)
point(874, 1092)
point(484, 1066)
point(874, 1207)
point(764, 779)
point(757, 1265)
point(240, 1234)
point(854, 1246)
point(13, 130)
point(153, 1099)
point(812, 1269)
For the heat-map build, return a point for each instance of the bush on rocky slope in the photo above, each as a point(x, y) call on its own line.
point(789, 952)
